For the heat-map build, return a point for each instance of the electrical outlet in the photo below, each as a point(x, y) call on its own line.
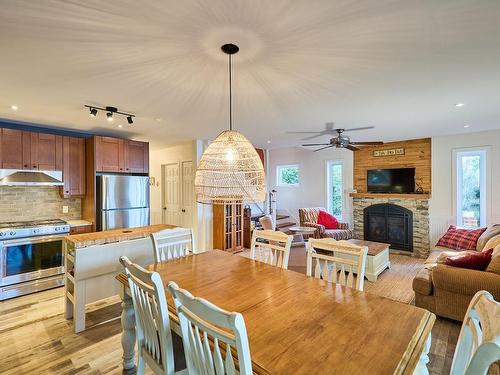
point(65, 209)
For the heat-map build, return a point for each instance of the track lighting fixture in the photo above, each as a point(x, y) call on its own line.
point(110, 112)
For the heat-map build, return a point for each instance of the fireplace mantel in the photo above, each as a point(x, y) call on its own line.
point(388, 196)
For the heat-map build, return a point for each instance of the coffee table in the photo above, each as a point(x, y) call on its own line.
point(377, 259)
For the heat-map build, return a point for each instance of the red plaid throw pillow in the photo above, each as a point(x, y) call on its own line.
point(460, 238)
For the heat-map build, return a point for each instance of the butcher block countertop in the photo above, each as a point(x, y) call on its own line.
point(79, 241)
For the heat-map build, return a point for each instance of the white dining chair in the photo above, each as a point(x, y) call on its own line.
point(154, 338)
point(211, 335)
point(271, 247)
point(172, 243)
point(337, 262)
point(478, 345)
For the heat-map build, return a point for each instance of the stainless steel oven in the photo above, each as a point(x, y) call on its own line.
point(30, 264)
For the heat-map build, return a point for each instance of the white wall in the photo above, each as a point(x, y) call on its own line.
point(311, 191)
point(441, 203)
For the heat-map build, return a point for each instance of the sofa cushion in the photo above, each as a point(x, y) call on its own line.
point(488, 234)
point(477, 261)
point(338, 234)
point(493, 242)
point(328, 220)
point(422, 283)
point(460, 238)
point(494, 265)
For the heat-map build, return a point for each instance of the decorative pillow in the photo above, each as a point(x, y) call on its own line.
point(492, 243)
point(478, 261)
point(441, 259)
point(460, 238)
point(488, 234)
point(328, 220)
point(494, 265)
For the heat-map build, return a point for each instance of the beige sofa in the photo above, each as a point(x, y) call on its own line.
point(446, 290)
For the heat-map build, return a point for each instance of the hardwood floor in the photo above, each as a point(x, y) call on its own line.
point(37, 339)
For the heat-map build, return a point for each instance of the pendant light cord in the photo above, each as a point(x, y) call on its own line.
point(230, 96)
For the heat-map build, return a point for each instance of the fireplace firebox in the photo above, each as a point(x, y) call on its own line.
point(389, 223)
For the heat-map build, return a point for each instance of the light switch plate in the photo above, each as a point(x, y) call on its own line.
point(65, 209)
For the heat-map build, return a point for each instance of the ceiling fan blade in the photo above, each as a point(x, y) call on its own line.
point(316, 144)
point(363, 128)
point(304, 132)
point(351, 147)
point(313, 136)
point(322, 148)
point(366, 143)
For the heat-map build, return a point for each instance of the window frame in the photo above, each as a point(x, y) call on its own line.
point(328, 165)
point(279, 182)
point(485, 189)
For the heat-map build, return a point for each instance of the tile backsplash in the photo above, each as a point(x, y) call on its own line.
point(20, 203)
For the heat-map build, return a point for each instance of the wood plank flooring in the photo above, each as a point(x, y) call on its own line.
point(37, 339)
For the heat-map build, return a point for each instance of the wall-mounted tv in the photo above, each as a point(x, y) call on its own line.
point(400, 180)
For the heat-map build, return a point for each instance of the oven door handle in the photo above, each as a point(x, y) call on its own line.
point(33, 240)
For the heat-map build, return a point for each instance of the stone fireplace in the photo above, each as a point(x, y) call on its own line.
point(402, 222)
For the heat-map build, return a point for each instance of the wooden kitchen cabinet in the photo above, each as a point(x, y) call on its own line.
point(121, 155)
point(73, 150)
point(30, 150)
point(11, 148)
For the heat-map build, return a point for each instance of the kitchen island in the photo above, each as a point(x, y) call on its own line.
point(92, 262)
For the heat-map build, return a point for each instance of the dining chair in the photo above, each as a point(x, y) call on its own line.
point(478, 345)
point(172, 243)
point(337, 262)
point(154, 338)
point(211, 336)
point(271, 247)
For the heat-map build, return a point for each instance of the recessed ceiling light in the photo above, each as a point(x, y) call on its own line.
point(14, 107)
point(158, 119)
point(459, 104)
point(119, 126)
point(466, 126)
point(268, 141)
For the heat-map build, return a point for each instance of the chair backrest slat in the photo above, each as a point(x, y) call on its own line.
point(154, 337)
point(478, 345)
point(337, 262)
point(271, 247)
point(211, 336)
point(172, 243)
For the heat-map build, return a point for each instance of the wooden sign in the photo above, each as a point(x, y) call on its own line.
point(389, 152)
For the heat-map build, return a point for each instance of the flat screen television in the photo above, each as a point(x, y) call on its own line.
point(400, 180)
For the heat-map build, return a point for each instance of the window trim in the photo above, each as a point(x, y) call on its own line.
point(328, 163)
point(278, 175)
point(485, 178)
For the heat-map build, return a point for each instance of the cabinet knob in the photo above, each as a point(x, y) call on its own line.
point(183, 210)
point(25, 165)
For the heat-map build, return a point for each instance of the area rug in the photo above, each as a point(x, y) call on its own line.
point(394, 283)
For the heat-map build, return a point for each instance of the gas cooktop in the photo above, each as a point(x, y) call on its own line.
point(21, 229)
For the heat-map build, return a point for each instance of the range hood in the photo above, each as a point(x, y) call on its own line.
point(16, 177)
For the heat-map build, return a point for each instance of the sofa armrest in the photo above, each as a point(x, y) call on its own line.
point(320, 229)
point(465, 281)
point(343, 226)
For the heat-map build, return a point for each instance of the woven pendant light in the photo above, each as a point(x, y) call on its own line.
point(230, 170)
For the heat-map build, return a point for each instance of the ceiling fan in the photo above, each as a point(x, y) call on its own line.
point(342, 141)
point(329, 130)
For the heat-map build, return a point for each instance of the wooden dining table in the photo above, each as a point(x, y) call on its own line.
point(297, 324)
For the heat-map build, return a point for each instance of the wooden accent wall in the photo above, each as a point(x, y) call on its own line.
point(417, 155)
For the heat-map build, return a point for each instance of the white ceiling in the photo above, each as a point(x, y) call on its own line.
point(400, 66)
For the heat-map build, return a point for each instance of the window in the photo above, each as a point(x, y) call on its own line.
point(334, 182)
point(471, 188)
point(288, 175)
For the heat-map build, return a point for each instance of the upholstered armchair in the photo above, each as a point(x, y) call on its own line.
point(308, 217)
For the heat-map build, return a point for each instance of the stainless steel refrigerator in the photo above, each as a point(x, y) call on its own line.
point(122, 201)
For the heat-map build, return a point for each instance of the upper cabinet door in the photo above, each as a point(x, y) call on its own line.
point(109, 154)
point(136, 157)
point(46, 152)
point(11, 148)
point(73, 166)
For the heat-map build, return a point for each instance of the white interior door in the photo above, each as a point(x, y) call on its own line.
point(187, 193)
point(171, 197)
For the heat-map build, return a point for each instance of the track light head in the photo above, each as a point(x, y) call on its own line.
point(109, 115)
point(130, 120)
point(93, 112)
